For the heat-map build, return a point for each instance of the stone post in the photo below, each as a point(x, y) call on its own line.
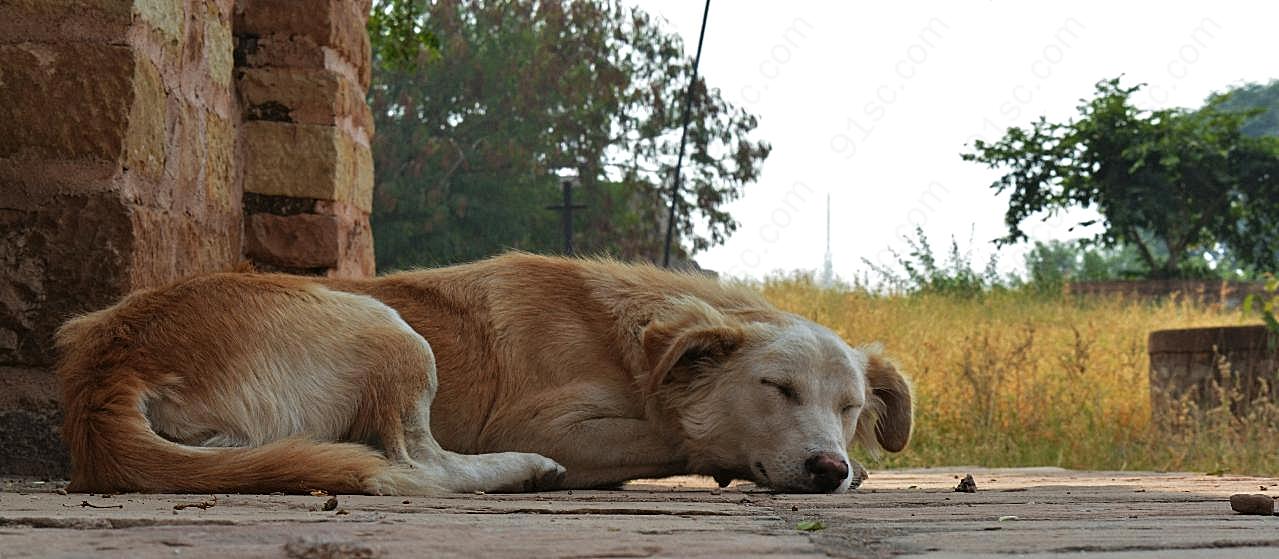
point(130, 131)
point(308, 175)
point(117, 172)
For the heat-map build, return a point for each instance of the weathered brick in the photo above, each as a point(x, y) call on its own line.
point(163, 16)
point(278, 51)
point(219, 164)
point(355, 258)
point(304, 96)
point(306, 161)
point(362, 177)
point(206, 166)
point(169, 245)
point(93, 86)
point(80, 101)
point(145, 148)
point(119, 10)
point(189, 145)
point(336, 24)
point(219, 44)
point(294, 241)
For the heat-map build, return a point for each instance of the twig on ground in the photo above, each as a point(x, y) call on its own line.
point(202, 505)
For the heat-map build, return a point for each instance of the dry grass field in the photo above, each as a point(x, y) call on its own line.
point(1012, 378)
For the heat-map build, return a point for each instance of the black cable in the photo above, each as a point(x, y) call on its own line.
point(683, 138)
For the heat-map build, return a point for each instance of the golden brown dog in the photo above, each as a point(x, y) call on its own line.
point(242, 382)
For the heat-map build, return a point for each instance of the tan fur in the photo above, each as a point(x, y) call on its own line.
point(247, 383)
point(616, 371)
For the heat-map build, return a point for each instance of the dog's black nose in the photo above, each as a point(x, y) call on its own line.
point(828, 470)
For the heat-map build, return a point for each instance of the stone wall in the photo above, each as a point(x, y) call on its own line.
point(1201, 365)
point(1229, 294)
point(146, 140)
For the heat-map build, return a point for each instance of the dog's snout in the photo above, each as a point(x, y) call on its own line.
point(828, 470)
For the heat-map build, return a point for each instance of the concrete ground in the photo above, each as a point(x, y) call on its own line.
point(1034, 512)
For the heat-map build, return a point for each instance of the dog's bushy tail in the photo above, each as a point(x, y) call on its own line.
point(113, 448)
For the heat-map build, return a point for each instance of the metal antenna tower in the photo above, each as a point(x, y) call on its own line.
point(828, 268)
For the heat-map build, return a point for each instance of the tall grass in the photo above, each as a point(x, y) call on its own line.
point(1016, 378)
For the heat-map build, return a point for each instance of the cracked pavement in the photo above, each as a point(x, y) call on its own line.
point(1035, 512)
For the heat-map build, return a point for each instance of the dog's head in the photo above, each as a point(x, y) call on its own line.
point(775, 401)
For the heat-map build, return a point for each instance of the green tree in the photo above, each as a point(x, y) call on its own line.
point(470, 136)
point(1051, 264)
point(1170, 183)
point(398, 33)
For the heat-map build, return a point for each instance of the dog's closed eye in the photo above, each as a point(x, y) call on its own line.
point(786, 390)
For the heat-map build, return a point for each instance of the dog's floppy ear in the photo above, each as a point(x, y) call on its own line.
point(886, 420)
point(689, 332)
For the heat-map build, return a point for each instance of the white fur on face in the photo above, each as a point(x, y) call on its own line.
point(776, 403)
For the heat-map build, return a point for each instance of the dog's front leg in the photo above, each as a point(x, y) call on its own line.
point(608, 451)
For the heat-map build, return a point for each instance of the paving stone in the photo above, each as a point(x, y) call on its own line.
point(911, 513)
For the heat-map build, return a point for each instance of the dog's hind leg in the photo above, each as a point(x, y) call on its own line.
point(396, 412)
point(497, 472)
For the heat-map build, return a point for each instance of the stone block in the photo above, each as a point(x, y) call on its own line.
point(68, 256)
point(306, 161)
point(116, 10)
point(219, 46)
point(1200, 365)
point(65, 21)
point(221, 191)
point(362, 189)
point(162, 16)
point(205, 178)
point(169, 245)
point(294, 241)
point(304, 96)
point(278, 51)
point(336, 24)
point(78, 101)
point(189, 144)
point(145, 144)
point(355, 253)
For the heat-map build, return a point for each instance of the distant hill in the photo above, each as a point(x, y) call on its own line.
point(1257, 96)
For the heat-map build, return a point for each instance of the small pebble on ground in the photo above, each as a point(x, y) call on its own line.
point(1244, 503)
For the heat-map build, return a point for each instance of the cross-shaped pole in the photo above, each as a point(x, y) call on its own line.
point(566, 213)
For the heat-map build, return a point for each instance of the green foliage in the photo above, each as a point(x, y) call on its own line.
point(468, 142)
point(1170, 183)
point(1050, 265)
point(922, 272)
point(1261, 102)
point(1266, 305)
point(398, 35)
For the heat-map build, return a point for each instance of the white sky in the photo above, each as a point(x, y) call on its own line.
point(873, 102)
